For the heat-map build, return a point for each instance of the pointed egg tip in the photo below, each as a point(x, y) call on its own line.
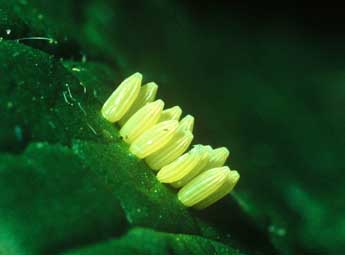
point(152, 85)
point(159, 102)
point(204, 152)
point(234, 176)
point(137, 75)
point(173, 113)
point(150, 90)
point(217, 157)
point(208, 147)
point(177, 108)
point(223, 170)
point(222, 150)
point(134, 79)
point(187, 123)
point(178, 111)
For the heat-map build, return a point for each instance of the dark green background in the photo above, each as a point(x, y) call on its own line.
point(267, 83)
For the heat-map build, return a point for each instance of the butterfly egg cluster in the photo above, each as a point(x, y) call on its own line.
point(158, 136)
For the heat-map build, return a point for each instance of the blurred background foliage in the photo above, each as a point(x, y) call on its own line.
point(267, 83)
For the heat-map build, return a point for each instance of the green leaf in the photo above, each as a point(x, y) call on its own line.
point(267, 92)
point(70, 114)
point(49, 202)
point(147, 241)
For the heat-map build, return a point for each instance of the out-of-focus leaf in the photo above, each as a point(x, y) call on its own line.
point(147, 241)
point(49, 202)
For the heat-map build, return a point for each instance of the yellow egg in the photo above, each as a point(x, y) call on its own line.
point(146, 95)
point(184, 168)
point(154, 138)
point(208, 187)
point(217, 157)
point(221, 192)
point(180, 168)
point(157, 136)
point(171, 151)
point(141, 121)
point(173, 113)
point(187, 123)
point(203, 152)
point(122, 98)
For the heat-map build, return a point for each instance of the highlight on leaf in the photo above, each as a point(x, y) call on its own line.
point(157, 135)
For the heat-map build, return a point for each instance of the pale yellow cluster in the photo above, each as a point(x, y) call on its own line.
point(160, 138)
